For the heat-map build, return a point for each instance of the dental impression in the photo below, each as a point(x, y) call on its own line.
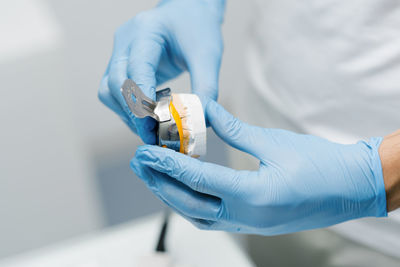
point(180, 117)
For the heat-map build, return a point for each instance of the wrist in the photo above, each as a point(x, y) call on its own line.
point(389, 152)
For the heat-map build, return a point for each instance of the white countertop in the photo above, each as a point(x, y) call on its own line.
point(132, 244)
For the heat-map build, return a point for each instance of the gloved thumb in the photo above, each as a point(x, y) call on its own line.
point(204, 76)
point(143, 62)
point(234, 132)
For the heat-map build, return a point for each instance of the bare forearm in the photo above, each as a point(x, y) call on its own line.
point(389, 152)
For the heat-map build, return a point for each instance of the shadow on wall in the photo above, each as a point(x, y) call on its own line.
point(123, 195)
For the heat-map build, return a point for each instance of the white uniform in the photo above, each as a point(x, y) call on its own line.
point(329, 68)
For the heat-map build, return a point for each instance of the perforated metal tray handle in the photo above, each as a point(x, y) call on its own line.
point(139, 104)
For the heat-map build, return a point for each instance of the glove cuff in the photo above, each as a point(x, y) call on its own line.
point(380, 202)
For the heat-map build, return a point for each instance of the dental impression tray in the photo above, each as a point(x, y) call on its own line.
point(180, 117)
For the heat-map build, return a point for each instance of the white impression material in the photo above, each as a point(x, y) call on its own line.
point(193, 123)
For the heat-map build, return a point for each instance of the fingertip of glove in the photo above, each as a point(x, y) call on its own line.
point(146, 130)
point(140, 170)
point(135, 165)
point(102, 94)
point(140, 151)
point(149, 153)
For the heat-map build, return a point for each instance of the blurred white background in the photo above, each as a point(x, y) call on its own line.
point(64, 157)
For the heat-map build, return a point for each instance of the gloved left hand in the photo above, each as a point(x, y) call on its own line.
point(303, 182)
point(159, 44)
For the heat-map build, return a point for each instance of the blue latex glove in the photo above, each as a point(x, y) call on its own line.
point(303, 182)
point(158, 45)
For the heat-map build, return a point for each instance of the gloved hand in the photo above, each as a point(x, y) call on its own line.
point(303, 182)
point(158, 45)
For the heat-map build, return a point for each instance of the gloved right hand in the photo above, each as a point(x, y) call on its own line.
point(158, 45)
point(303, 182)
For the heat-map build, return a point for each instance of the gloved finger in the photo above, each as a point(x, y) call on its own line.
point(204, 74)
point(176, 194)
point(117, 75)
point(209, 225)
point(199, 223)
point(105, 95)
point(143, 127)
point(144, 57)
point(117, 67)
point(200, 176)
point(168, 69)
point(203, 214)
point(107, 99)
point(240, 135)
